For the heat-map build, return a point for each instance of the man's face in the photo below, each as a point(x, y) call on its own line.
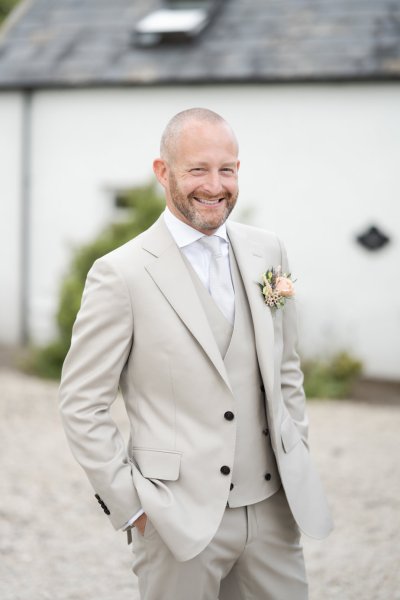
point(201, 177)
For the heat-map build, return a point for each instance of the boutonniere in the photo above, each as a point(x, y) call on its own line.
point(276, 287)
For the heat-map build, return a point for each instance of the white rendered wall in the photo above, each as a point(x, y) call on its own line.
point(319, 164)
point(327, 170)
point(10, 232)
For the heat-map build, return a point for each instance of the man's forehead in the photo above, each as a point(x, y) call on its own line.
point(197, 139)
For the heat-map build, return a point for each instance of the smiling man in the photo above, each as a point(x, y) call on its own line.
point(198, 169)
point(217, 480)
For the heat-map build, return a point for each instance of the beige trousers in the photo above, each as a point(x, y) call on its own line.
point(255, 555)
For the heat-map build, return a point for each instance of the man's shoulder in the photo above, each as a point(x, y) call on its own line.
point(126, 256)
point(252, 233)
point(123, 253)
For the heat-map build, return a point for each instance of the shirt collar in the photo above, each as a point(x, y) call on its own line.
point(184, 234)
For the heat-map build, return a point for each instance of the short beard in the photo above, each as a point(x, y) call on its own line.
point(185, 205)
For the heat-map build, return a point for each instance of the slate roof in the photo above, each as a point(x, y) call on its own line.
point(89, 42)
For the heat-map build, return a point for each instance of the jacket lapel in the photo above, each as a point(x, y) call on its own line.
point(171, 275)
point(253, 261)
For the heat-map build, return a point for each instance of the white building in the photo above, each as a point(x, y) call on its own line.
point(313, 95)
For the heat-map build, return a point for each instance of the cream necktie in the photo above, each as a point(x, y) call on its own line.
point(221, 288)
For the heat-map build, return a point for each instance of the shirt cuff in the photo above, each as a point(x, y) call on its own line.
point(129, 523)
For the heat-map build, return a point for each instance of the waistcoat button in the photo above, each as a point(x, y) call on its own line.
point(225, 470)
point(229, 416)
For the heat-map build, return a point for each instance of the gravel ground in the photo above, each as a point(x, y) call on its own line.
point(56, 544)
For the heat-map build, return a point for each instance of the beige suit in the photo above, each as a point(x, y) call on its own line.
point(142, 327)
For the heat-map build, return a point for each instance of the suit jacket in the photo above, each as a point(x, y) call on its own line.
point(142, 327)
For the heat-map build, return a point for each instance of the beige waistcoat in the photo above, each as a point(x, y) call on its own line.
point(255, 475)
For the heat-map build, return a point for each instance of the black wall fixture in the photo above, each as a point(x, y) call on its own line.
point(373, 239)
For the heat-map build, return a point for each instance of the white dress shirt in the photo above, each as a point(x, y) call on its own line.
point(187, 239)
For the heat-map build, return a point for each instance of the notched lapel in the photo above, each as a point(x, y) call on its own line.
point(171, 276)
point(252, 262)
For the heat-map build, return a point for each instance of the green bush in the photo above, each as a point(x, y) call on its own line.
point(333, 378)
point(143, 206)
point(6, 7)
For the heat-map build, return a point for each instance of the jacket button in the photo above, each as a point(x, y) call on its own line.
point(268, 476)
point(225, 470)
point(229, 416)
point(232, 486)
point(106, 511)
point(266, 431)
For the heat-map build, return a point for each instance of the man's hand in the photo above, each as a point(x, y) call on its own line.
point(140, 523)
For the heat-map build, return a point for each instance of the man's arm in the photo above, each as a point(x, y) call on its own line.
point(291, 374)
point(101, 342)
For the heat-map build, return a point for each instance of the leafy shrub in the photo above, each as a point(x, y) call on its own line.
point(143, 206)
point(333, 378)
point(6, 7)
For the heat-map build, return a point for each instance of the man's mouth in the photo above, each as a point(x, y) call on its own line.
point(208, 202)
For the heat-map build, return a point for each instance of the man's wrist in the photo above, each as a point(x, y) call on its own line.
point(131, 522)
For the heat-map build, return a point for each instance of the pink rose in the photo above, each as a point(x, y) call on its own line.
point(284, 286)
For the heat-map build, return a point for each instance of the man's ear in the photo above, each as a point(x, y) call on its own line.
point(160, 169)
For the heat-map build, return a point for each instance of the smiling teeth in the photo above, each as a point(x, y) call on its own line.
point(210, 202)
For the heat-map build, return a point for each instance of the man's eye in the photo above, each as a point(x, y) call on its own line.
point(228, 170)
point(197, 170)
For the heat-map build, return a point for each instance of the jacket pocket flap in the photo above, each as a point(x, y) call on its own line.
point(290, 434)
point(158, 464)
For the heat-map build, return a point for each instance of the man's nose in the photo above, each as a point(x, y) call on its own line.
point(213, 184)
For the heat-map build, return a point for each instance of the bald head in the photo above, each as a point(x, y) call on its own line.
point(192, 116)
